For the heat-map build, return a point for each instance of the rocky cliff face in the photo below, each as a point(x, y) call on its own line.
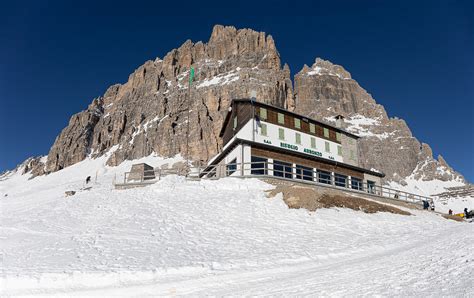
point(149, 113)
point(387, 144)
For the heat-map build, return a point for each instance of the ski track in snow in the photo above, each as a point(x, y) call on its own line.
point(222, 237)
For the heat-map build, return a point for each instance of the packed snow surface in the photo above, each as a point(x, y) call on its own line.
point(223, 237)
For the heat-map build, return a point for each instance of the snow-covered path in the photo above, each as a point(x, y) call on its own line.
point(215, 238)
point(434, 266)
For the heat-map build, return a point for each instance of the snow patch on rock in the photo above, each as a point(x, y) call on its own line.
point(222, 79)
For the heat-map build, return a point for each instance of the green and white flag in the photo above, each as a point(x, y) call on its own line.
point(191, 75)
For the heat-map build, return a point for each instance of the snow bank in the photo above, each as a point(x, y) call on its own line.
point(432, 187)
point(184, 237)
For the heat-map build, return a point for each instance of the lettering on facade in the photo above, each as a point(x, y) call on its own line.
point(288, 146)
point(267, 142)
point(312, 152)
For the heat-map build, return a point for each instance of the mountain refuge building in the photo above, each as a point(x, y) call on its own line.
point(261, 139)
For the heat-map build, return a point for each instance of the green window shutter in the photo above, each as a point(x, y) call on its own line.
point(326, 133)
point(263, 129)
point(313, 143)
point(281, 134)
point(339, 150)
point(281, 118)
point(235, 122)
point(352, 155)
point(328, 148)
point(298, 138)
point(312, 128)
point(263, 113)
point(338, 136)
point(351, 141)
point(297, 123)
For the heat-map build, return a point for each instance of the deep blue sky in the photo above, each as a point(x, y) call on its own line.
point(415, 58)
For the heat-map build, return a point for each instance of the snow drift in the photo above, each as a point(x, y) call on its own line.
point(214, 237)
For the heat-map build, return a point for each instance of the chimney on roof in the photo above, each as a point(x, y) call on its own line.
point(253, 95)
point(339, 121)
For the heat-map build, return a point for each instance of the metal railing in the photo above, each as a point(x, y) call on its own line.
point(278, 170)
point(310, 176)
point(150, 176)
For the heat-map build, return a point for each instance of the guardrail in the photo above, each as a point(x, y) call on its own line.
point(149, 176)
point(310, 176)
point(285, 171)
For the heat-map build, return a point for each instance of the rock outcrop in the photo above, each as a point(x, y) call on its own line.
point(149, 113)
point(387, 144)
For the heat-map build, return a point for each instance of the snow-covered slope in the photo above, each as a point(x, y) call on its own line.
point(214, 237)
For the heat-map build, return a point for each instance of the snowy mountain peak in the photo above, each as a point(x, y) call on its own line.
point(325, 67)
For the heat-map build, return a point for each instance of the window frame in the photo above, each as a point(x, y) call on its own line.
point(298, 138)
point(304, 173)
point(281, 116)
point(231, 167)
point(327, 147)
point(258, 165)
point(326, 132)
point(357, 183)
point(286, 170)
point(281, 134)
point(263, 114)
point(324, 177)
point(297, 123)
point(263, 130)
point(338, 178)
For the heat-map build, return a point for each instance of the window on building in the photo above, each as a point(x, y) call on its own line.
point(297, 123)
point(326, 133)
point(313, 142)
point(263, 129)
point(327, 147)
point(356, 183)
point(263, 113)
point(324, 177)
point(281, 134)
point(235, 123)
point(339, 150)
point(338, 136)
point(298, 138)
point(304, 173)
point(231, 167)
point(259, 166)
point(340, 180)
point(312, 128)
point(352, 155)
point(282, 169)
point(281, 118)
point(350, 141)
